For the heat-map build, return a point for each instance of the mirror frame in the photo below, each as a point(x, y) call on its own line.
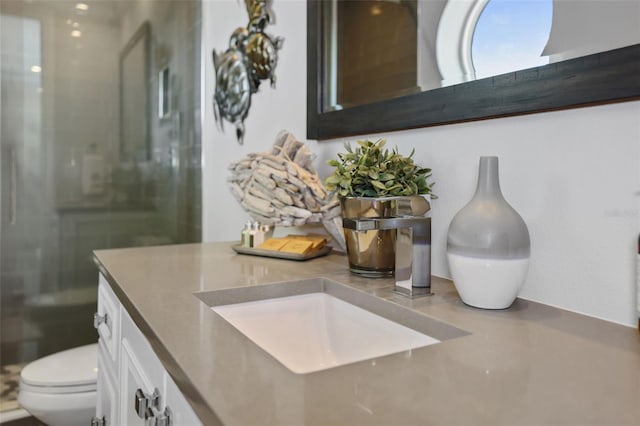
point(141, 39)
point(600, 78)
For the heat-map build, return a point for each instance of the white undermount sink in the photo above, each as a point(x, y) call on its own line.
point(316, 330)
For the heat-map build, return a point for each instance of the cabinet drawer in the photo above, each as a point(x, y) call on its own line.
point(132, 382)
point(108, 322)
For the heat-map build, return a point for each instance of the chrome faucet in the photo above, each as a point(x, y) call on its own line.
point(413, 250)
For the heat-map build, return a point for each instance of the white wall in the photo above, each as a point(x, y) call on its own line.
point(571, 174)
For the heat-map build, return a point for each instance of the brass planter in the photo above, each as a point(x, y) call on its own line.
point(372, 253)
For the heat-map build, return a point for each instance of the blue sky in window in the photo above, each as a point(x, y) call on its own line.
point(510, 35)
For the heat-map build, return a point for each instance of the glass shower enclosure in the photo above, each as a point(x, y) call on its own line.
point(100, 135)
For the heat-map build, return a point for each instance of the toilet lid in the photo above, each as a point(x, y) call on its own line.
point(73, 367)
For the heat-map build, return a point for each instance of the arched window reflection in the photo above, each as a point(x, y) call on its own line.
point(511, 35)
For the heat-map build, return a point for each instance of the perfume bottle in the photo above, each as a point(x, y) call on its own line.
point(245, 235)
point(258, 235)
point(267, 230)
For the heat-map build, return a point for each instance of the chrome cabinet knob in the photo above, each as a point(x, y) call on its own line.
point(150, 417)
point(146, 405)
point(98, 421)
point(165, 418)
point(140, 403)
point(99, 319)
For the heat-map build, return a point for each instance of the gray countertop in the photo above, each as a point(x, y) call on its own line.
point(528, 365)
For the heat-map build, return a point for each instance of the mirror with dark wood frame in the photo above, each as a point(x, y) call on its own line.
point(598, 78)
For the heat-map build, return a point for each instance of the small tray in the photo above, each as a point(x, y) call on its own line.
point(281, 254)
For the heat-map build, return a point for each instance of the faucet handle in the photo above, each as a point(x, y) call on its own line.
point(359, 224)
point(413, 260)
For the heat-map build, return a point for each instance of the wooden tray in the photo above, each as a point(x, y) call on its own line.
point(281, 254)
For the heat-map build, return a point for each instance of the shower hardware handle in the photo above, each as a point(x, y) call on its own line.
point(13, 186)
point(100, 319)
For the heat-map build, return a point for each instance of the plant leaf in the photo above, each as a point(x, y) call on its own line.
point(378, 184)
point(387, 176)
point(371, 170)
point(333, 179)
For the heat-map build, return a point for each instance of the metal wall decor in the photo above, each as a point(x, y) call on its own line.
point(252, 56)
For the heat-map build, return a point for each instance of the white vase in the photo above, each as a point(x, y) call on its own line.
point(488, 245)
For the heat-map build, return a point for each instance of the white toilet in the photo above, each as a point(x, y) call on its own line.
point(60, 389)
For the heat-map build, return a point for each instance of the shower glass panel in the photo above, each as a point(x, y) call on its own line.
point(100, 135)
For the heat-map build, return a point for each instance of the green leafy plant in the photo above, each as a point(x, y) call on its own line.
point(371, 171)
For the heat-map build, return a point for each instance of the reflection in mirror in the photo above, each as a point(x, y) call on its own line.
point(377, 65)
point(511, 36)
point(164, 93)
point(135, 133)
point(364, 61)
point(385, 49)
point(482, 38)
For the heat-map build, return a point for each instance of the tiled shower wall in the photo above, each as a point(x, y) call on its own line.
point(87, 112)
point(175, 168)
point(72, 104)
point(81, 83)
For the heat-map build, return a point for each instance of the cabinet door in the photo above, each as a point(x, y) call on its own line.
point(109, 319)
point(140, 370)
point(141, 373)
point(132, 379)
point(107, 390)
point(181, 411)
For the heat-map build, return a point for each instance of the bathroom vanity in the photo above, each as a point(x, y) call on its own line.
point(529, 364)
point(133, 386)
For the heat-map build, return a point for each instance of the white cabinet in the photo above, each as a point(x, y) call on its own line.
point(133, 386)
point(107, 406)
point(107, 320)
point(141, 377)
point(182, 412)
